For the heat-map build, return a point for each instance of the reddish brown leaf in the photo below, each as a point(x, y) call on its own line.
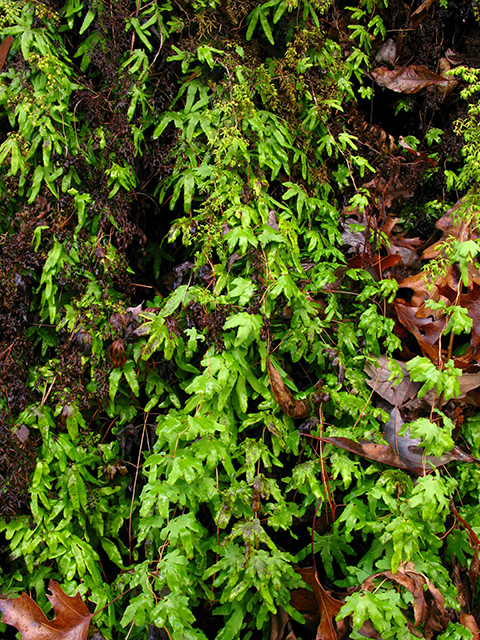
point(429, 351)
point(412, 581)
point(444, 66)
point(407, 79)
point(460, 580)
point(428, 329)
point(4, 49)
point(437, 618)
point(375, 266)
point(408, 257)
point(420, 155)
point(475, 544)
point(453, 227)
point(469, 621)
point(414, 289)
point(285, 398)
point(390, 191)
point(323, 604)
point(380, 264)
point(474, 568)
point(378, 452)
point(419, 14)
point(471, 302)
point(428, 325)
point(71, 622)
point(280, 621)
point(305, 602)
point(428, 602)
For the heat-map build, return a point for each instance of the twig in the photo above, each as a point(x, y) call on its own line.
point(133, 492)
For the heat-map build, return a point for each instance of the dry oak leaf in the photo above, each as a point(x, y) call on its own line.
point(407, 79)
point(396, 392)
point(402, 392)
point(71, 622)
point(453, 227)
point(428, 601)
point(428, 325)
point(280, 622)
point(382, 453)
point(284, 397)
point(424, 323)
point(319, 604)
point(465, 588)
point(389, 191)
point(414, 289)
point(468, 621)
point(471, 302)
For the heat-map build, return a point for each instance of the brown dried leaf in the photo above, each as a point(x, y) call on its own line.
point(471, 302)
point(327, 606)
point(460, 580)
point(353, 238)
point(415, 287)
point(469, 621)
point(420, 14)
point(408, 256)
point(428, 325)
point(454, 58)
point(426, 329)
point(404, 393)
point(375, 266)
point(284, 397)
point(4, 49)
point(378, 452)
point(412, 581)
point(454, 227)
point(22, 433)
point(437, 618)
point(395, 392)
point(429, 603)
point(279, 622)
point(71, 622)
point(387, 53)
point(407, 79)
point(389, 191)
point(444, 66)
point(474, 568)
point(369, 631)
